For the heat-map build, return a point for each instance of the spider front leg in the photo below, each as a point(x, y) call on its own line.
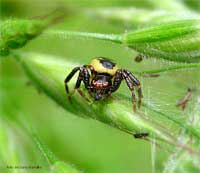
point(135, 82)
point(120, 75)
point(83, 76)
point(68, 78)
point(128, 82)
point(116, 82)
point(131, 87)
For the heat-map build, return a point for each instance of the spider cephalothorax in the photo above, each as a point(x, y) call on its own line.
point(103, 77)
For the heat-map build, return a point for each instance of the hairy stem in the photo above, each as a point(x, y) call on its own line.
point(66, 34)
point(48, 74)
point(170, 68)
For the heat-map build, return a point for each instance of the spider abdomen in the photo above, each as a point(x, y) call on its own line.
point(104, 65)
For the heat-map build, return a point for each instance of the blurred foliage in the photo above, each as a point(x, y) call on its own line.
point(91, 146)
point(193, 4)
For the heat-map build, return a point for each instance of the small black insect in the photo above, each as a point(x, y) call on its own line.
point(141, 135)
point(103, 77)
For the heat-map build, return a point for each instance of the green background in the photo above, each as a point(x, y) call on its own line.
point(90, 145)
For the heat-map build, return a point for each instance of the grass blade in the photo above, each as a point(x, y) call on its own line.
point(49, 73)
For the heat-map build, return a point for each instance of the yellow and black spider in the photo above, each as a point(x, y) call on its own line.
point(103, 77)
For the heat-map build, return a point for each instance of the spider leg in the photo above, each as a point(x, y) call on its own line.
point(82, 94)
point(85, 77)
point(133, 96)
point(131, 81)
point(78, 84)
point(89, 67)
point(140, 96)
point(68, 78)
point(131, 87)
point(116, 82)
point(136, 83)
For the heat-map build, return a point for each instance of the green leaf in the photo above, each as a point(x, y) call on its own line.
point(48, 73)
point(15, 33)
point(56, 165)
point(175, 41)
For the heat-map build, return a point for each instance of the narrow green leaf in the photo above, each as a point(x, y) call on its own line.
point(67, 34)
point(174, 41)
point(171, 68)
point(56, 165)
point(49, 73)
point(50, 157)
point(15, 33)
point(162, 32)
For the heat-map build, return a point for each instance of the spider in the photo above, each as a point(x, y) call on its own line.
point(103, 77)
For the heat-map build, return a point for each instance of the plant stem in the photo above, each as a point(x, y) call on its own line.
point(50, 157)
point(41, 70)
point(170, 68)
point(65, 34)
